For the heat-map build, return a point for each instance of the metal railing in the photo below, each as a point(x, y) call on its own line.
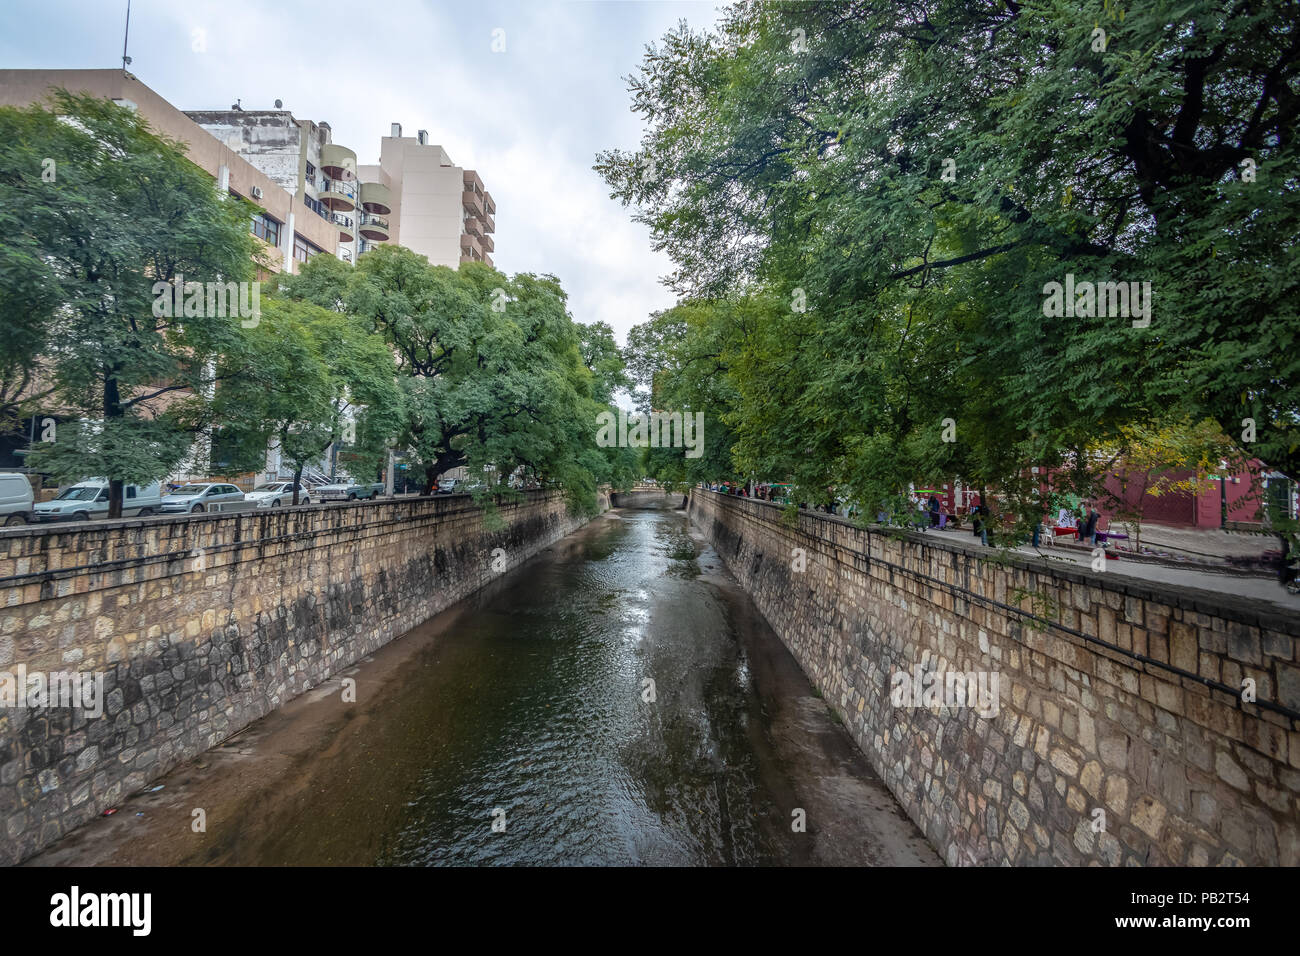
point(340, 187)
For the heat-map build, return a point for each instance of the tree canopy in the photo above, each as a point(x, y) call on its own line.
point(874, 199)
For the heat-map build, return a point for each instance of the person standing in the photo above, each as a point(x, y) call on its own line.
point(979, 523)
point(934, 512)
point(1088, 533)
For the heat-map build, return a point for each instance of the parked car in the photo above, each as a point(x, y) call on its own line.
point(278, 493)
point(448, 486)
point(198, 497)
point(89, 499)
point(15, 499)
point(349, 490)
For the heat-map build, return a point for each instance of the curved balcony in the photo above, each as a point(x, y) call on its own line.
point(376, 197)
point(347, 231)
point(338, 194)
point(374, 227)
point(339, 162)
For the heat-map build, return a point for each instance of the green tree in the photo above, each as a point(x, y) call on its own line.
point(490, 368)
point(305, 378)
point(903, 182)
point(116, 209)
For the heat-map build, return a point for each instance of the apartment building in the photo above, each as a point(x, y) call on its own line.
point(322, 175)
point(415, 195)
point(285, 223)
point(443, 211)
point(314, 195)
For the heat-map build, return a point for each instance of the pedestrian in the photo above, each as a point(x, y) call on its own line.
point(1088, 535)
point(979, 524)
point(934, 512)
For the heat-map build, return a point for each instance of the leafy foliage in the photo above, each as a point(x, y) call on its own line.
point(891, 187)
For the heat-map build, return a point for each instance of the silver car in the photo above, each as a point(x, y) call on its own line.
point(277, 494)
point(195, 498)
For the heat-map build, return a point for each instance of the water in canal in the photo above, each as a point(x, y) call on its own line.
point(522, 731)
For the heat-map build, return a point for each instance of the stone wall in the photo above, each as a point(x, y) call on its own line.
point(1115, 695)
point(202, 624)
point(655, 499)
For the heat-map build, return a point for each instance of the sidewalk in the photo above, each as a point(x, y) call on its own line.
point(1263, 589)
point(1206, 543)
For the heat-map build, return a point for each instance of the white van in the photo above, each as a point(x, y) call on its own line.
point(89, 499)
point(15, 499)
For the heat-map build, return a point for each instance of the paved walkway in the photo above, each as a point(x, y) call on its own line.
point(1207, 542)
point(1257, 588)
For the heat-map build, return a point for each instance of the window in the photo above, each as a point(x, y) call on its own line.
point(304, 250)
point(264, 227)
point(130, 491)
point(311, 173)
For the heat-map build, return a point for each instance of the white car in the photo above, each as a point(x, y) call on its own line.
point(195, 498)
point(277, 494)
point(89, 499)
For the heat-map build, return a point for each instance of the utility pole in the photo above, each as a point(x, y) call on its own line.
point(126, 60)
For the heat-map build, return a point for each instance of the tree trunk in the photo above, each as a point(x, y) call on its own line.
point(297, 477)
point(112, 409)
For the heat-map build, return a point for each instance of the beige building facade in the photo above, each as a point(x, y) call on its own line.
point(315, 196)
point(286, 224)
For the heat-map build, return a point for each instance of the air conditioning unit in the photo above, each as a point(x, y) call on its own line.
point(257, 192)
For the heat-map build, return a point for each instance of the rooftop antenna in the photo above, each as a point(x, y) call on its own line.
point(126, 60)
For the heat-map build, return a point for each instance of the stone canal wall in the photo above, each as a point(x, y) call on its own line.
point(1118, 738)
point(654, 499)
point(200, 625)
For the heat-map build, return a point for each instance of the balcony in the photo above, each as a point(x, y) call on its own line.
point(376, 197)
point(472, 202)
point(474, 227)
point(489, 224)
point(374, 227)
point(488, 245)
point(338, 194)
point(489, 203)
point(338, 162)
point(470, 248)
point(346, 231)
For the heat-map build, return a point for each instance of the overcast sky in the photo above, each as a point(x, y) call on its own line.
point(530, 119)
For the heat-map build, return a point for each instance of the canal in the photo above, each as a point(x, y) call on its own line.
point(616, 700)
